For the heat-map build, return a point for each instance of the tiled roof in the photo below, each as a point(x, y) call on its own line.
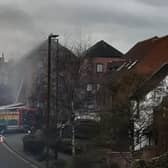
point(102, 49)
point(141, 49)
point(147, 60)
point(152, 82)
point(149, 55)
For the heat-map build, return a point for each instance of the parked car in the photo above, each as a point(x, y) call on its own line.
point(33, 143)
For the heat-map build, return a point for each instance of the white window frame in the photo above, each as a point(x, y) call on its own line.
point(98, 86)
point(89, 87)
point(99, 67)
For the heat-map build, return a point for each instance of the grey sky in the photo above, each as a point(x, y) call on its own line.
point(25, 23)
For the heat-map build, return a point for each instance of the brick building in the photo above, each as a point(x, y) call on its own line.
point(95, 63)
point(145, 67)
point(147, 63)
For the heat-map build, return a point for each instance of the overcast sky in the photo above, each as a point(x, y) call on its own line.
point(25, 23)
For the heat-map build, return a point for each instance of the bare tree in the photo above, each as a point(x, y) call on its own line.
point(143, 113)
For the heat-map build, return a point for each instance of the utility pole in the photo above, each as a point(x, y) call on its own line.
point(50, 37)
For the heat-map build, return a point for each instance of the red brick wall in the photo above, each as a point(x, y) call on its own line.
point(88, 67)
point(105, 62)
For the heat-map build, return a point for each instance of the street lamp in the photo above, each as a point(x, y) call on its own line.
point(57, 85)
point(50, 37)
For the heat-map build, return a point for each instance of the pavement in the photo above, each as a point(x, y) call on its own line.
point(9, 159)
point(14, 142)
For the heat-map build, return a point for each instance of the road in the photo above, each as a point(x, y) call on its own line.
point(10, 159)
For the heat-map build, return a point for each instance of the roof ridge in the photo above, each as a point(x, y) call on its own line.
point(102, 49)
point(150, 39)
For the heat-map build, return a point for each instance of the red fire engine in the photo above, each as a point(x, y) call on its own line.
point(17, 116)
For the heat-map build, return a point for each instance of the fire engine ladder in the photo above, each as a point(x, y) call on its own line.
point(19, 90)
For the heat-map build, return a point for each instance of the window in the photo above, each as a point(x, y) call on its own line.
point(89, 87)
point(99, 67)
point(91, 106)
point(98, 86)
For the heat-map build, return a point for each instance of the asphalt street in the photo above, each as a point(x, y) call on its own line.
point(10, 159)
